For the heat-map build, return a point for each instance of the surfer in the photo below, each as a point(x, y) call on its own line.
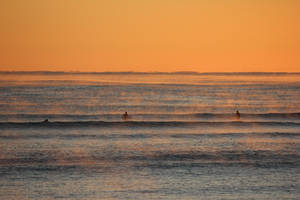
point(237, 114)
point(46, 121)
point(125, 116)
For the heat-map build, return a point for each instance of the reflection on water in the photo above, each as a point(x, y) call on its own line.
point(182, 140)
point(160, 94)
point(153, 163)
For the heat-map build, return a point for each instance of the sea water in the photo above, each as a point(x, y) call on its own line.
point(182, 139)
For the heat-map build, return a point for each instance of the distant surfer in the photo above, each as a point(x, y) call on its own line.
point(125, 116)
point(237, 114)
point(46, 121)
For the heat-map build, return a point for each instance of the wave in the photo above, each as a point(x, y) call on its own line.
point(293, 117)
point(261, 157)
point(145, 124)
point(142, 136)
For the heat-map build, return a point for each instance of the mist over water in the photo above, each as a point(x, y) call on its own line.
point(182, 140)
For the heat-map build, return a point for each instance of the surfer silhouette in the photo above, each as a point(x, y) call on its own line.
point(237, 114)
point(46, 121)
point(125, 116)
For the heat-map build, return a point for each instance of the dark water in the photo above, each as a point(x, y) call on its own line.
point(182, 139)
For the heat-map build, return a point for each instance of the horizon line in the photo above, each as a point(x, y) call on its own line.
point(45, 72)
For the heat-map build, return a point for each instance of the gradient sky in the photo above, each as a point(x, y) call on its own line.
point(150, 35)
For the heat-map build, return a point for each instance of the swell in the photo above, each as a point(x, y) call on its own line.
point(141, 136)
point(154, 117)
point(145, 124)
point(190, 157)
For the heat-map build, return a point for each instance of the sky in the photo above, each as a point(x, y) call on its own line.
point(150, 35)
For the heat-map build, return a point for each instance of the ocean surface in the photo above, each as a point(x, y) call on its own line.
point(182, 139)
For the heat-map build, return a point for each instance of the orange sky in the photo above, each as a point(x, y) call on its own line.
point(150, 35)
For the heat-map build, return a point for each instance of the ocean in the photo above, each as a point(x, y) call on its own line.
point(182, 139)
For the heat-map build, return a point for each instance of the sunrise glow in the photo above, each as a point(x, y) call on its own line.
point(153, 35)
